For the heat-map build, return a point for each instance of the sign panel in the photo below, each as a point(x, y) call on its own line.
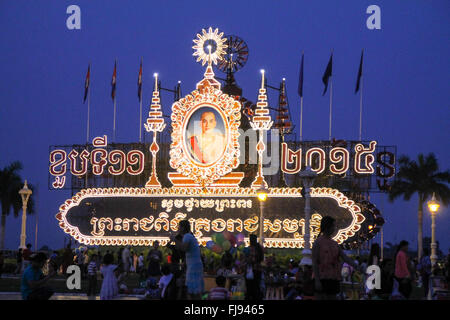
point(136, 216)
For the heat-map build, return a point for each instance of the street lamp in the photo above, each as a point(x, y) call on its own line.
point(433, 206)
point(25, 193)
point(262, 197)
point(307, 177)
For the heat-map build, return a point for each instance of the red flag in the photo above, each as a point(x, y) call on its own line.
point(359, 72)
point(300, 81)
point(86, 83)
point(327, 74)
point(140, 83)
point(113, 81)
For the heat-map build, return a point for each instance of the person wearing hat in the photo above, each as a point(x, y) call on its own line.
point(33, 280)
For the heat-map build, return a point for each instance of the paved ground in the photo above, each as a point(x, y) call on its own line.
point(66, 296)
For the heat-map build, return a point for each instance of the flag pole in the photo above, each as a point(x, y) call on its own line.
point(360, 109)
point(140, 102)
point(140, 120)
point(114, 126)
point(301, 118)
point(331, 102)
point(89, 111)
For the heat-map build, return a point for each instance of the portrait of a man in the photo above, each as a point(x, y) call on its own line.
point(205, 135)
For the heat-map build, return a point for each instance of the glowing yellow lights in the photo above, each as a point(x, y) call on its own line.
point(433, 204)
point(262, 196)
point(206, 38)
point(370, 227)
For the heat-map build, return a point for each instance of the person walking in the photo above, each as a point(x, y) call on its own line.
point(403, 274)
point(253, 258)
point(187, 243)
point(326, 261)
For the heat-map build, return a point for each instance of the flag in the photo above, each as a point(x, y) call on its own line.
point(327, 74)
point(86, 83)
point(113, 82)
point(300, 81)
point(140, 83)
point(359, 73)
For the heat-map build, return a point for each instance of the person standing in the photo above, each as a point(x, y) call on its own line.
point(18, 261)
point(110, 288)
point(2, 260)
point(253, 259)
point(402, 269)
point(80, 261)
point(154, 261)
point(140, 264)
point(67, 258)
point(425, 270)
point(92, 275)
point(26, 254)
point(326, 261)
point(374, 256)
point(126, 260)
point(135, 260)
point(33, 285)
point(194, 266)
point(219, 292)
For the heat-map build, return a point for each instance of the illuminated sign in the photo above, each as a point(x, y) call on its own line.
point(138, 216)
point(137, 207)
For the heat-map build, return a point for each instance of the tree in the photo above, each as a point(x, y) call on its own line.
point(10, 184)
point(421, 177)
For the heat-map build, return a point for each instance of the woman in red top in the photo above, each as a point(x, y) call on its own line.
point(326, 259)
point(402, 269)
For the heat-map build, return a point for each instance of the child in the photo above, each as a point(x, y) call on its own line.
point(167, 284)
point(219, 292)
point(153, 292)
point(109, 289)
point(92, 275)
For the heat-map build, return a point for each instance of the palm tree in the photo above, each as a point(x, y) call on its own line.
point(10, 184)
point(421, 177)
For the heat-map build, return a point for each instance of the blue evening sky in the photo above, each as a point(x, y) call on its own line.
point(43, 64)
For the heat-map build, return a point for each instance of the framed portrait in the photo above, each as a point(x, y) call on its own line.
point(205, 135)
point(205, 145)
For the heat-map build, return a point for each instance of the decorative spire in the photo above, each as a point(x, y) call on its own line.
point(155, 123)
point(261, 121)
point(155, 120)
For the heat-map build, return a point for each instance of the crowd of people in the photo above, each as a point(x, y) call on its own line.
point(251, 274)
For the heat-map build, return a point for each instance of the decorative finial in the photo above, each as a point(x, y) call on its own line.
point(262, 78)
point(209, 37)
point(156, 81)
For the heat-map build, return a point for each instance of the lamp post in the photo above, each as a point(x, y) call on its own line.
point(25, 193)
point(433, 206)
point(307, 177)
point(262, 197)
